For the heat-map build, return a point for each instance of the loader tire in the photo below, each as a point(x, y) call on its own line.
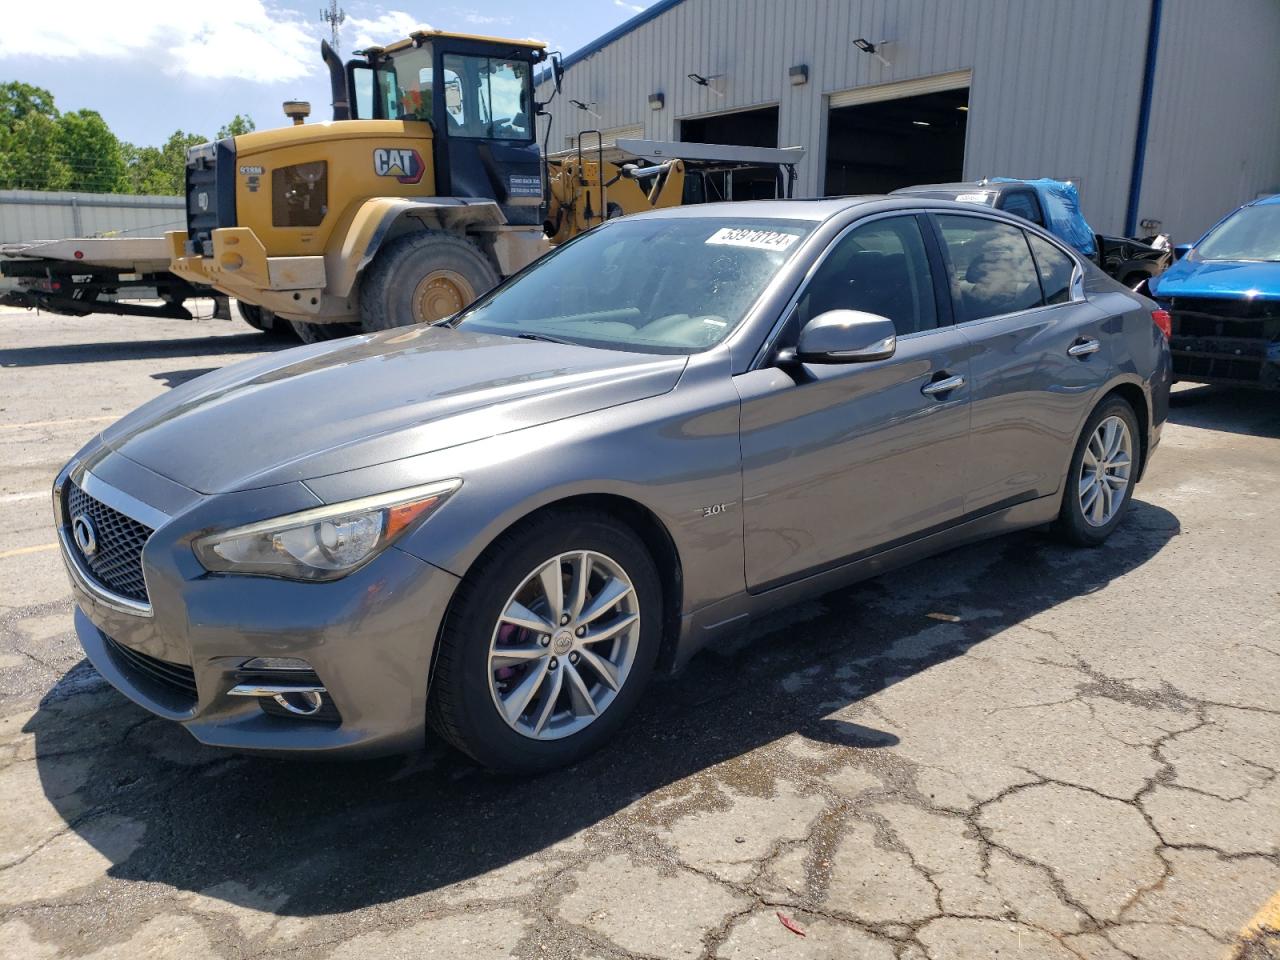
point(423, 277)
point(320, 332)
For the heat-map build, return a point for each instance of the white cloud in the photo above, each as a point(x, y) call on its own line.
point(378, 31)
point(230, 39)
point(482, 19)
point(634, 7)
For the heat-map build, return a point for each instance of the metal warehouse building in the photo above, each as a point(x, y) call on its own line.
point(1165, 110)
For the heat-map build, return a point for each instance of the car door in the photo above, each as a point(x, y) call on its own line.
point(1038, 359)
point(841, 460)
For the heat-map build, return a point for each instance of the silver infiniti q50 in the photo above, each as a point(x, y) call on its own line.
point(499, 526)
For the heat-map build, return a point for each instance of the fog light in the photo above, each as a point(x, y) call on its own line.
point(301, 702)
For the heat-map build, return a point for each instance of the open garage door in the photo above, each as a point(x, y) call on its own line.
point(743, 128)
point(894, 135)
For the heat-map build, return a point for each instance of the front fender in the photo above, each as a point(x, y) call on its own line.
point(373, 222)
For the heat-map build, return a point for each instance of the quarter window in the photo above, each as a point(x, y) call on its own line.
point(880, 267)
point(1056, 270)
point(992, 269)
point(1024, 204)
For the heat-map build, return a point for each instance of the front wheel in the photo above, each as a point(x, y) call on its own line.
point(423, 277)
point(1103, 471)
point(548, 644)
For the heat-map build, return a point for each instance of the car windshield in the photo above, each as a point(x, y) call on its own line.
point(662, 285)
point(1251, 233)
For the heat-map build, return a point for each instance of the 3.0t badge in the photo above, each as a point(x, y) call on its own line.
point(403, 163)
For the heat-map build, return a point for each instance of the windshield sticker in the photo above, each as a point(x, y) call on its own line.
point(746, 237)
point(973, 198)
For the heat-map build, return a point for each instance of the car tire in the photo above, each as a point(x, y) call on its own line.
point(1083, 520)
point(322, 332)
point(468, 683)
point(423, 277)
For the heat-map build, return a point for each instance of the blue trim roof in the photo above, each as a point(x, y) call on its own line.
point(639, 20)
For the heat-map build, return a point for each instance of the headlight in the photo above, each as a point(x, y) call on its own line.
point(324, 543)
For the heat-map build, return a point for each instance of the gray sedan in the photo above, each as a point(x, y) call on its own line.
point(501, 525)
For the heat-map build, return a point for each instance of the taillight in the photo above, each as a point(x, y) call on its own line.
point(1162, 320)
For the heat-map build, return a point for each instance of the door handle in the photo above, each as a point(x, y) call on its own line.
point(1083, 347)
point(938, 387)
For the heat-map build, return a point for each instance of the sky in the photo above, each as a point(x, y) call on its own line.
point(151, 67)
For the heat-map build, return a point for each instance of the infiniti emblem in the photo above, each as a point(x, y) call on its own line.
point(86, 536)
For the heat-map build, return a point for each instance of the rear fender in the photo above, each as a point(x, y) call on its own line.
point(383, 218)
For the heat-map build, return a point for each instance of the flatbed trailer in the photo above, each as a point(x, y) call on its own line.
point(98, 275)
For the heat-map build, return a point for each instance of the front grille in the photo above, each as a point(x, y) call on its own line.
point(211, 195)
point(117, 562)
point(1225, 341)
point(176, 676)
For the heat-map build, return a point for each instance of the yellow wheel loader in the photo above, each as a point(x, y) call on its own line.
point(424, 191)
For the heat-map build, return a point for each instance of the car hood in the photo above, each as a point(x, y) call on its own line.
point(1219, 278)
point(342, 405)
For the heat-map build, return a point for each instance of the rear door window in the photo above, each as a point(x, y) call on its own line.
point(992, 272)
point(1056, 270)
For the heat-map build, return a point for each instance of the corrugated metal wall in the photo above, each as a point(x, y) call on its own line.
point(1214, 140)
point(37, 215)
point(1056, 86)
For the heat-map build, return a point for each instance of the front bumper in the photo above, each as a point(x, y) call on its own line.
point(369, 637)
point(239, 267)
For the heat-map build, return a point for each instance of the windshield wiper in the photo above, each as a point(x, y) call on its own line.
point(543, 337)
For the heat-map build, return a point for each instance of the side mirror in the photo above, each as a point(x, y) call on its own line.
point(843, 336)
point(1181, 250)
point(557, 70)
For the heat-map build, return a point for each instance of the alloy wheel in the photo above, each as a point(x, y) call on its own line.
point(1104, 471)
point(564, 645)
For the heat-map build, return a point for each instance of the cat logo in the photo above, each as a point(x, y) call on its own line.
point(399, 162)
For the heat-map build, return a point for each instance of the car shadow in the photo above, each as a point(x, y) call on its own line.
point(330, 838)
point(176, 378)
point(1253, 413)
point(65, 353)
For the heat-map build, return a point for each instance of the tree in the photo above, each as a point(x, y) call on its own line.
point(18, 100)
point(30, 155)
point(161, 170)
point(237, 126)
point(92, 152)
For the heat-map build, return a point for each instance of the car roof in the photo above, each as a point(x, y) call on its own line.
point(964, 186)
point(814, 208)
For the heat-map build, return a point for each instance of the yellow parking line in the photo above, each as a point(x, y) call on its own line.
point(55, 423)
point(1266, 920)
point(21, 551)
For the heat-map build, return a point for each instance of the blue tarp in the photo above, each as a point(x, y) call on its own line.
point(1061, 204)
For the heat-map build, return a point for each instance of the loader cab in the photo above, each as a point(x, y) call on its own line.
point(477, 95)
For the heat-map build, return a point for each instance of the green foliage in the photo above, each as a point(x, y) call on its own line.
point(237, 126)
point(92, 152)
point(161, 170)
point(42, 149)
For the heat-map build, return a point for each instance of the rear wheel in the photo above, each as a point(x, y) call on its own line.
point(548, 644)
point(1104, 469)
point(320, 332)
point(423, 277)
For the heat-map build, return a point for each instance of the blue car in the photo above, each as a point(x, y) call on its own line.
point(1223, 293)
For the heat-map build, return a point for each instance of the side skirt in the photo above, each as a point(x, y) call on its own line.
point(704, 626)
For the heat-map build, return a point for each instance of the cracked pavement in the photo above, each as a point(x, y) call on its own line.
point(1015, 749)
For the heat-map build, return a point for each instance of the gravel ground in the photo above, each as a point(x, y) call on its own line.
point(1014, 750)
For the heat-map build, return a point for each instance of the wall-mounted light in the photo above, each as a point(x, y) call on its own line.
point(874, 49)
point(799, 75)
point(657, 101)
point(585, 106)
point(702, 81)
